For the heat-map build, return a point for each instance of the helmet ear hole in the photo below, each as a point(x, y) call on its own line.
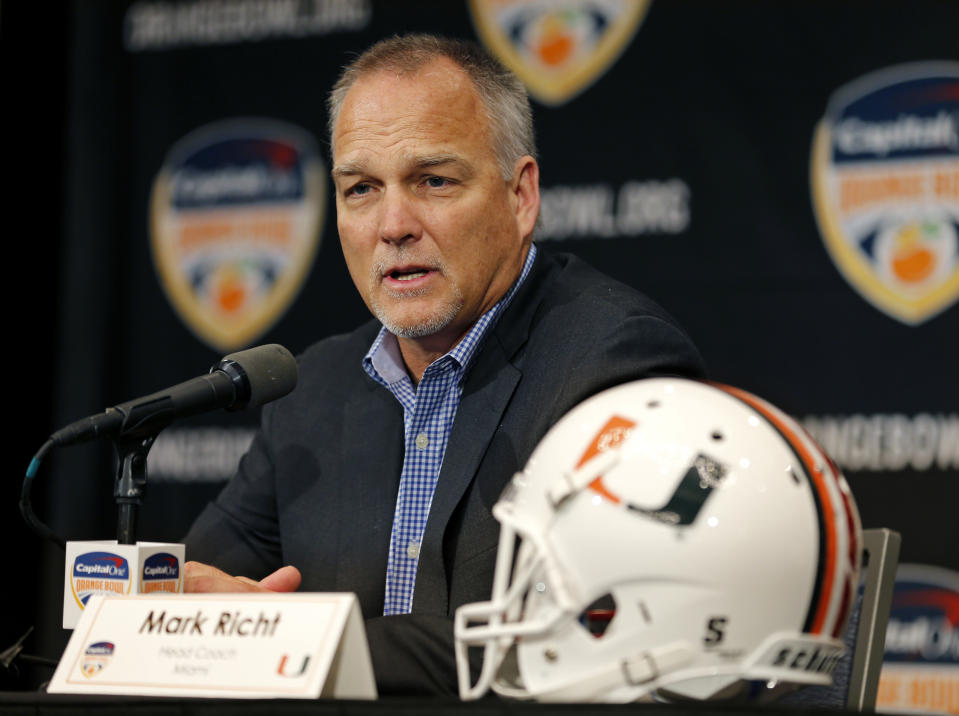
point(597, 617)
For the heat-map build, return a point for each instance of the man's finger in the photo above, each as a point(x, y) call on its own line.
point(285, 579)
point(199, 569)
point(199, 577)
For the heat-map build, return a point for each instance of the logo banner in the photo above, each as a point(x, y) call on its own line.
point(236, 215)
point(885, 187)
point(557, 47)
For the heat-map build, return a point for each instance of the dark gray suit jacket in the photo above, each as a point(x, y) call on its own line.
point(318, 486)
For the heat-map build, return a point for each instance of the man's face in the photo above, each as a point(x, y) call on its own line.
point(432, 234)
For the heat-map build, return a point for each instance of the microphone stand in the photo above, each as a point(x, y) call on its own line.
point(142, 422)
point(131, 483)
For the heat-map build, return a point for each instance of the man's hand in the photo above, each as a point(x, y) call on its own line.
point(199, 577)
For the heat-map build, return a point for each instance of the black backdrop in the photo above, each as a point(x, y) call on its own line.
point(705, 120)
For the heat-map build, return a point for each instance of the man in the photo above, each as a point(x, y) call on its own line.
point(377, 474)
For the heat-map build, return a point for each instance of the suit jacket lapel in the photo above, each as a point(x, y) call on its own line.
point(489, 386)
point(372, 445)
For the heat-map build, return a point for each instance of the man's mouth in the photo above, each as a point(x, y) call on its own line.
point(408, 275)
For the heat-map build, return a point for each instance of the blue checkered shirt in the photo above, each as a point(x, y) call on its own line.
point(428, 413)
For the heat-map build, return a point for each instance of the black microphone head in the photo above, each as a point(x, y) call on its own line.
point(266, 373)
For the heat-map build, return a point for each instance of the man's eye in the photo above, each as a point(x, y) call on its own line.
point(358, 190)
point(436, 182)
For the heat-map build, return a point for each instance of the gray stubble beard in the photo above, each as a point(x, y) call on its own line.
point(425, 327)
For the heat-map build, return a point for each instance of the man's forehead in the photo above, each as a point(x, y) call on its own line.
point(440, 89)
point(429, 117)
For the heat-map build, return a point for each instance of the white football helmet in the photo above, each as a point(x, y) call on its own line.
point(668, 538)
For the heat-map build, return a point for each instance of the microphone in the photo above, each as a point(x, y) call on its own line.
point(246, 379)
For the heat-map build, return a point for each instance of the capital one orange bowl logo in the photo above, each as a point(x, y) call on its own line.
point(557, 48)
point(236, 214)
point(885, 187)
point(96, 657)
point(99, 573)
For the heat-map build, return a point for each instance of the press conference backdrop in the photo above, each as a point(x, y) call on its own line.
point(782, 177)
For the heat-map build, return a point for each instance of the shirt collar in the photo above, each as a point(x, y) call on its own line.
point(384, 362)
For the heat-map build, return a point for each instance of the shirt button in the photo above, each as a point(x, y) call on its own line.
point(413, 550)
point(422, 440)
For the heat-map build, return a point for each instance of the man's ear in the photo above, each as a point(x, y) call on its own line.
point(525, 189)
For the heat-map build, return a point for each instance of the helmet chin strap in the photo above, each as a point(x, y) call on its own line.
point(633, 671)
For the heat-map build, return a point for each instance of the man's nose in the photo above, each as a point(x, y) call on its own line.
point(398, 222)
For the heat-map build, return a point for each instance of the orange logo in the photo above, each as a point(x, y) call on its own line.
point(558, 48)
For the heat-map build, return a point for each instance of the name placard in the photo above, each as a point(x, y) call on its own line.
point(219, 645)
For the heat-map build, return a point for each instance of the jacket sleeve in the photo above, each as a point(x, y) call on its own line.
point(239, 532)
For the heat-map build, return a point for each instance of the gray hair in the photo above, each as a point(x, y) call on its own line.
point(503, 94)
